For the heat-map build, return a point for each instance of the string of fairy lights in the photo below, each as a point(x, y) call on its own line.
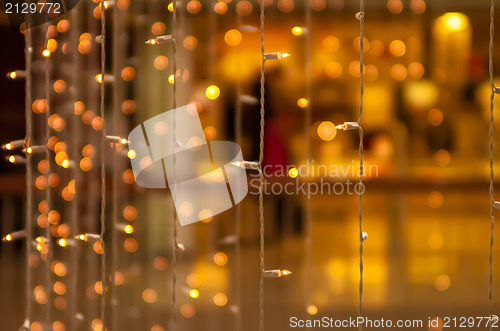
point(56, 159)
point(493, 203)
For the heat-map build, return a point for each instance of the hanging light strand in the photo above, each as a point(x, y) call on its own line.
point(47, 176)
point(29, 176)
point(261, 158)
point(307, 125)
point(103, 168)
point(175, 246)
point(361, 17)
point(492, 177)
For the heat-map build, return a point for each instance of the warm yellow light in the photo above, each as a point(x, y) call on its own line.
point(131, 154)
point(170, 7)
point(220, 299)
point(293, 172)
point(302, 102)
point(297, 31)
point(65, 163)
point(46, 53)
point(13, 75)
point(454, 22)
point(128, 229)
point(286, 272)
point(171, 79)
point(62, 242)
point(283, 55)
point(123, 141)
point(8, 237)
point(29, 150)
point(98, 78)
point(8, 146)
point(312, 310)
point(212, 92)
point(194, 293)
point(327, 131)
point(397, 48)
point(220, 259)
point(12, 159)
point(232, 37)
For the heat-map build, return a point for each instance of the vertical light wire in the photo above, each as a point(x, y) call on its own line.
point(261, 158)
point(103, 167)
point(492, 177)
point(174, 105)
point(307, 125)
point(361, 18)
point(48, 191)
point(29, 172)
point(237, 230)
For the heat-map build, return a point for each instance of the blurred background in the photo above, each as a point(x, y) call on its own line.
point(425, 209)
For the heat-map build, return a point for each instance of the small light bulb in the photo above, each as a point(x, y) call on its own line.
point(171, 79)
point(212, 92)
point(131, 154)
point(29, 150)
point(62, 242)
point(124, 141)
point(65, 164)
point(98, 78)
point(297, 31)
point(170, 7)
point(12, 159)
point(286, 272)
point(194, 293)
point(8, 237)
point(302, 102)
point(293, 172)
point(46, 53)
point(8, 146)
point(13, 75)
point(128, 229)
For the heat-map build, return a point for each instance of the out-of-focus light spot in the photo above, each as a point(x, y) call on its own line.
point(220, 258)
point(128, 176)
point(397, 48)
point(442, 282)
point(435, 240)
point(302, 102)
point(312, 310)
point(171, 79)
point(130, 213)
point(220, 8)
point(416, 70)
point(46, 53)
point(128, 74)
point(170, 7)
point(63, 26)
point(399, 72)
point(418, 6)
point(131, 245)
point(131, 154)
point(327, 131)
point(86, 164)
point(158, 28)
point(193, 7)
point(190, 43)
point(394, 6)
point(212, 92)
point(233, 37)
point(435, 117)
point(187, 310)
point(244, 8)
point(193, 280)
point(210, 132)
point(293, 172)
point(331, 44)
point(442, 157)
point(160, 62)
point(60, 269)
point(98, 78)
point(128, 107)
point(333, 69)
point(149, 295)
point(285, 6)
point(220, 299)
point(160, 263)
point(435, 199)
point(357, 45)
point(453, 22)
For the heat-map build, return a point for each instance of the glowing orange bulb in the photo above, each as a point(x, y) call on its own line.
point(212, 92)
point(13, 75)
point(128, 229)
point(293, 172)
point(302, 102)
point(8, 237)
point(46, 53)
point(297, 31)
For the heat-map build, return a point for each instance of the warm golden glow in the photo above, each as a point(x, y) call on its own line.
point(128, 229)
point(220, 299)
point(171, 79)
point(233, 37)
point(98, 78)
point(453, 22)
point(220, 258)
point(302, 102)
point(297, 31)
point(193, 7)
point(312, 310)
point(293, 172)
point(327, 131)
point(397, 48)
point(212, 92)
point(194, 293)
point(131, 154)
point(149, 295)
point(220, 8)
point(46, 53)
